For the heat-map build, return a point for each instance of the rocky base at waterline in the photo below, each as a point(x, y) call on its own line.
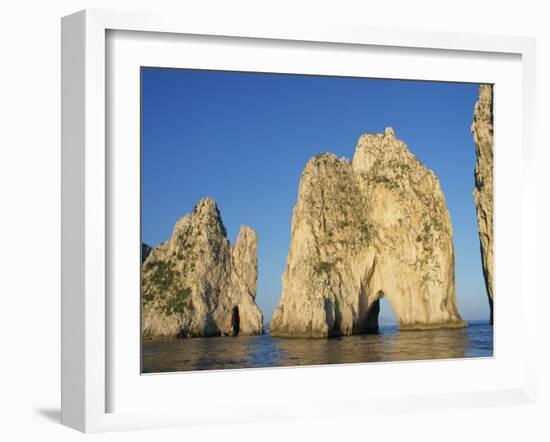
point(364, 229)
point(482, 129)
point(198, 284)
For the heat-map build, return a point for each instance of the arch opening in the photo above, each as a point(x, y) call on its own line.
point(371, 324)
point(235, 321)
point(380, 314)
point(387, 316)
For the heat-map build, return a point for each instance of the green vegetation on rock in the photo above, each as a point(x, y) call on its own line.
point(177, 303)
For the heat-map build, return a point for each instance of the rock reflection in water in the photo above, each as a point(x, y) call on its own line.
point(267, 351)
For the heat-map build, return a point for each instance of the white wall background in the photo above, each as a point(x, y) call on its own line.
point(30, 216)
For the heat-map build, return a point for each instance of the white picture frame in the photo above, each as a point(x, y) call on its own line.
point(86, 352)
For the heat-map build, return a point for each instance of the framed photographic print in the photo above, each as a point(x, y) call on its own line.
point(294, 211)
point(371, 252)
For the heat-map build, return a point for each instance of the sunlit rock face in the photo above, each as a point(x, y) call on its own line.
point(363, 229)
point(198, 284)
point(482, 129)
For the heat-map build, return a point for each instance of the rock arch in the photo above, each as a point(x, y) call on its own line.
point(376, 225)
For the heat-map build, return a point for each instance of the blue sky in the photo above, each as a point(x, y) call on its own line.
point(244, 139)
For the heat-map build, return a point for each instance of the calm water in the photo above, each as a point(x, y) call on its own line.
point(267, 351)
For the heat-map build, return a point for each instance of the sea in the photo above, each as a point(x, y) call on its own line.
point(390, 344)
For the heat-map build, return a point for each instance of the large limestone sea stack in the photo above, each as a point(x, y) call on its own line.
point(361, 230)
point(198, 284)
point(482, 129)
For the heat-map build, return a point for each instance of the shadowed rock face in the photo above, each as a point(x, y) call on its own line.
point(376, 226)
point(198, 284)
point(145, 250)
point(482, 129)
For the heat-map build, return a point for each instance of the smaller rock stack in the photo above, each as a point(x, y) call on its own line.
point(198, 284)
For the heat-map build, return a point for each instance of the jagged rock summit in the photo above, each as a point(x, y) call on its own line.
point(376, 226)
point(198, 284)
point(482, 129)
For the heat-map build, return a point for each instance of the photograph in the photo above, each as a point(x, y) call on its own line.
point(302, 220)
